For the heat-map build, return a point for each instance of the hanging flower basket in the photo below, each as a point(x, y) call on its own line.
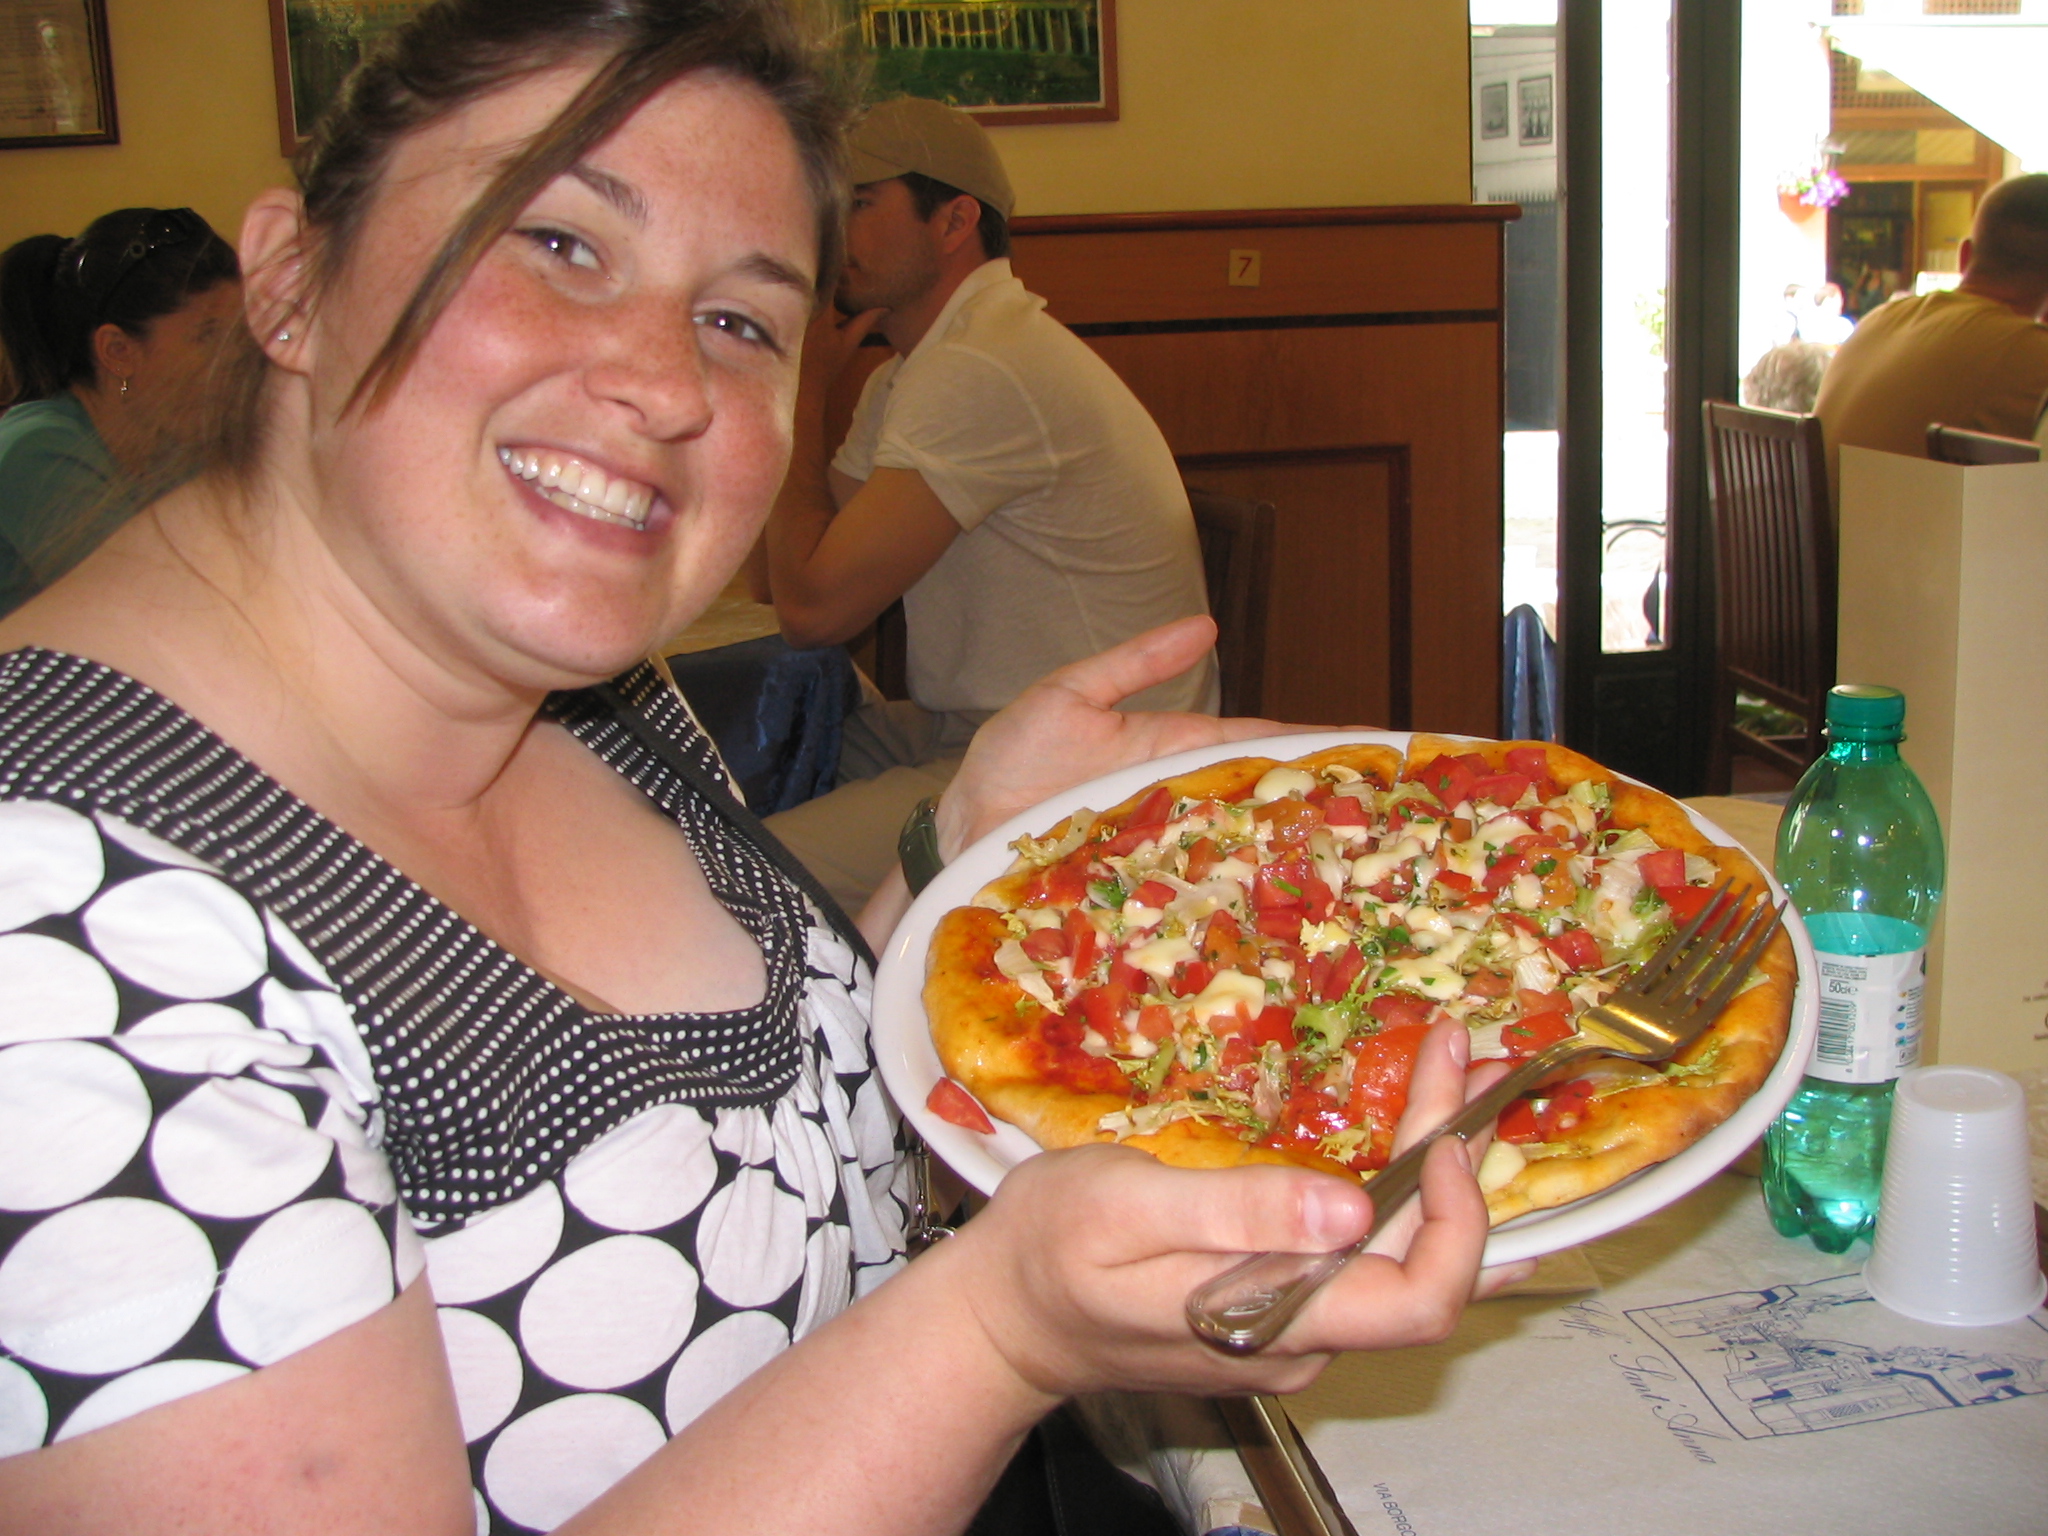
point(1809, 191)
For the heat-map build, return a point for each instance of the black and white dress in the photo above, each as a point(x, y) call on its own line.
point(252, 1080)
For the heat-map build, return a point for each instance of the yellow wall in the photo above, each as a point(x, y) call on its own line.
point(1226, 104)
point(198, 115)
point(1266, 104)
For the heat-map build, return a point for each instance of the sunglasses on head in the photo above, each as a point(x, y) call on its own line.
point(99, 277)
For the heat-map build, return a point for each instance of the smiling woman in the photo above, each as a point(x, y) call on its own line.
point(442, 1106)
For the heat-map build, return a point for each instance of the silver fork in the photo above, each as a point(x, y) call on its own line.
point(1656, 1013)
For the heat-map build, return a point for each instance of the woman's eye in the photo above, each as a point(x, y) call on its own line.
point(564, 247)
point(738, 325)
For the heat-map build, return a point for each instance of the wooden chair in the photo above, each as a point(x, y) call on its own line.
point(1774, 568)
point(1237, 562)
point(1955, 445)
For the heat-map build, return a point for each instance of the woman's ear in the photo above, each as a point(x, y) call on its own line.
point(276, 278)
point(114, 356)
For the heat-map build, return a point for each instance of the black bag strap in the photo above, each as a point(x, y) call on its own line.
point(728, 805)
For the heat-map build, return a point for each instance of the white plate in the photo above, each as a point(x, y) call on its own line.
point(910, 1063)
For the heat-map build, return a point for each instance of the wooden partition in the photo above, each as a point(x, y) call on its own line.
point(1357, 387)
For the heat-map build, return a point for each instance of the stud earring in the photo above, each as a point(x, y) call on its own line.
point(124, 389)
point(284, 335)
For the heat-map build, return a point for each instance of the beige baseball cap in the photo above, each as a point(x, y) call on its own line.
point(932, 139)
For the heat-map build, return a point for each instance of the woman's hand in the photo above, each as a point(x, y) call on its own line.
point(1079, 1267)
point(1065, 729)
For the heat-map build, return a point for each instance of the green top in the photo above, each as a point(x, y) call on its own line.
point(58, 494)
point(1864, 712)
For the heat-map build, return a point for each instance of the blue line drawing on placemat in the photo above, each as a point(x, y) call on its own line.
point(1790, 1359)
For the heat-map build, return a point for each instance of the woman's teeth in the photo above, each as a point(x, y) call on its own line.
point(578, 487)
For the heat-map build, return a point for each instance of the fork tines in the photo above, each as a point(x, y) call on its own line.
point(1707, 960)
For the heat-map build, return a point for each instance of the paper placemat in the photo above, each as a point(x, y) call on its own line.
point(1723, 1378)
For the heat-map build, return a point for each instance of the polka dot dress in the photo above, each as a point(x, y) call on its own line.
point(252, 1080)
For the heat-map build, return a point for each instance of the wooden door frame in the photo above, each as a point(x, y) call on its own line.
point(1609, 700)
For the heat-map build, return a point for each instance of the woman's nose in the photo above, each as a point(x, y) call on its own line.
point(657, 373)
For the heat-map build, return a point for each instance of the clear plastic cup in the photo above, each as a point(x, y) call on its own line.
point(1955, 1229)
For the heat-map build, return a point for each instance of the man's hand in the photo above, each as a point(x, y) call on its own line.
point(1065, 729)
point(829, 345)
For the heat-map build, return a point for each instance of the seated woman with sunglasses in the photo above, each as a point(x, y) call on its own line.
point(107, 338)
point(426, 1102)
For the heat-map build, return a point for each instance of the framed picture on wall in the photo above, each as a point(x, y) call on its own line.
point(1493, 110)
point(1006, 61)
point(1532, 102)
point(313, 46)
point(56, 74)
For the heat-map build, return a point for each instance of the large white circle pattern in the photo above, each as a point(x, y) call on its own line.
point(164, 1382)
point(51, 990)
point(307, 1272)
point(321, 1019)
point(146, 844)
point(548, 1464)
point(718, 1359)
point(104, 1286)
point(71, 1116)
point(179, 932)
point(498, 1249)
point(50, 861)
point(213, 1038)
point(750, 1239)
point(828, 1277)
point(609, 1314)
point(232, 1147)
point(484, 1364)
point(24, 1413)
point(650, 1172)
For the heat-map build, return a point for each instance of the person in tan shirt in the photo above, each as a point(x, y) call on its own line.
point(1975, 356)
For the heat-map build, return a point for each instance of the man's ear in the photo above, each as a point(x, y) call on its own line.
point(1964, 255)
point(114, 356)
point(962, 223)
point(277, 277)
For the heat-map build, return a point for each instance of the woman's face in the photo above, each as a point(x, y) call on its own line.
point(588, 440)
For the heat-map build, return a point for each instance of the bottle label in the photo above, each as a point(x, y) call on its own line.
point(1869, 1016)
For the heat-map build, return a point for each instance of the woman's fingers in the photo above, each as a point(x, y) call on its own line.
point(1109, 677)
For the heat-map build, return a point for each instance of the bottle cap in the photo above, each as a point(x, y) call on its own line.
point(1863, 712)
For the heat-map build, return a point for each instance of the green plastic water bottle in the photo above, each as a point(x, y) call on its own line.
point(1859, 851)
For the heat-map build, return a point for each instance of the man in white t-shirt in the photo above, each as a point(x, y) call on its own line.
point(998, 477)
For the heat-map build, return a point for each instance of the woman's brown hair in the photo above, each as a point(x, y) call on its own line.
point(456, 51)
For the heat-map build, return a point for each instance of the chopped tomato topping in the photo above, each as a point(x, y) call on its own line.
point(1279, 922)
point(1156, 806)
point(1534, 762)
point(1531, 1034)
point(1459, 829)
point(1397, 1010)
point(1503, 789)
point(1083, 943)
point(1223, 942)
point(1578, 949)
point(1273, 1026)
point(1344, 811)
point(1103, 1008)
point(1567, 1107)
point(1488, 984)
point(1504, 869)
point(1282, 883)
point(1308, 1117)
point(1155, 1021)
point(956, 1106)
point(1154, 893)
point(1451, 880)
point(1190, 976)
point(1317, 899)
point(1045, 945)
point(1238, 1051)
point(1665, 867)
point(1381, 1067)
point(1518, 1123)
point(1292, 819)
point(1686, 901)
point(1343, 973)
point(1064, 884)
point(1202, 858)
point(1126, 975)
point(1542, 1002)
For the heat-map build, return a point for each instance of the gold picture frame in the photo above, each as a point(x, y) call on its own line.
point(56, 75)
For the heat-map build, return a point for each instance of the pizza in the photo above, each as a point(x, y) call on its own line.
point(1240, 963)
